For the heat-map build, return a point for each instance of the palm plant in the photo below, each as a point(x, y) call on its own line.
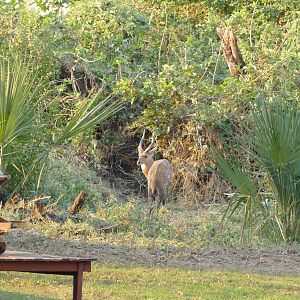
point(88, 114)
point(18, 104)
point(275, 147)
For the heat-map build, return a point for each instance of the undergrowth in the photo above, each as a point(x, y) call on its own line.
point(176, 226)
point(171, 228)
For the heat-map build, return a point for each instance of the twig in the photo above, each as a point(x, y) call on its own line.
point(215, 70)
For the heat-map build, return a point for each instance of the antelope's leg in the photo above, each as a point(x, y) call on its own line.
point(162, 198)
point(151, 201)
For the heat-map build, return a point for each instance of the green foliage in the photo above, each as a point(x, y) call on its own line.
point(19, 116)
point(17, 91)
point(272, 200)
point(164, 60)
point(87, 115)
point(67, 176)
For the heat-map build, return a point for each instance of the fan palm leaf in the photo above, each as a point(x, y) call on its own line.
point(88, 115)
point(17, 93)
point(18, 102)
point(275, 146)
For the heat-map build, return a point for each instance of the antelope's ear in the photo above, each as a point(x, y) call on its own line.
point(152, 151)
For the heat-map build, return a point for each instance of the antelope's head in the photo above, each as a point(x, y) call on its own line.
point(146, 156)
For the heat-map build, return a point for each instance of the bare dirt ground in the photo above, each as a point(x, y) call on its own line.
point(272, 261)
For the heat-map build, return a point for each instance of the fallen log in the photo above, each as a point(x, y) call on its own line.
point(6, 226)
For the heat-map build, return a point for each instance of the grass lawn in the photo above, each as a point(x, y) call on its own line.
point(111, 282)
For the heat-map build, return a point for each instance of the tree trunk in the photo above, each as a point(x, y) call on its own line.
point(231, 52)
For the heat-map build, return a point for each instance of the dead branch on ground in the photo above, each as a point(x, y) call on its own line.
point(77, 203)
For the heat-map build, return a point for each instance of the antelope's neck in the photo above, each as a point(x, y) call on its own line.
point(146, 167)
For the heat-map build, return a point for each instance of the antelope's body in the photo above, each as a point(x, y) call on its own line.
point(157, 172)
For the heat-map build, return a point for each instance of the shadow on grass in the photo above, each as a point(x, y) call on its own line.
point(277, 260)
point(20, 296)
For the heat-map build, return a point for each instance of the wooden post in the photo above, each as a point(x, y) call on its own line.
point(77, 283)
point(231, 52)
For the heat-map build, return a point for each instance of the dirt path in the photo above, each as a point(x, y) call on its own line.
point(275, 261)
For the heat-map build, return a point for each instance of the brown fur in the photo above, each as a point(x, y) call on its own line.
point(158, 174)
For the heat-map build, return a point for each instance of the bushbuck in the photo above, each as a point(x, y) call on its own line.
point(157, 172)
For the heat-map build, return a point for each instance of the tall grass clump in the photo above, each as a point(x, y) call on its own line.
point(268, 187)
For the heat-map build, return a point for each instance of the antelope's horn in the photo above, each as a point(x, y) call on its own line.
point(140, 147)
point(151, 145)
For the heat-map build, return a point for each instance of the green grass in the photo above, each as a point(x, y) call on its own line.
point(174, 227)
point(111, 282)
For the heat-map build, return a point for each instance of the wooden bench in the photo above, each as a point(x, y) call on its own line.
point(47, 264)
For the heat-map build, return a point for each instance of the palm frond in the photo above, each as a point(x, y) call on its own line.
point(236, 175)
point(88, 115)
point(17, 91)
point(275, 146)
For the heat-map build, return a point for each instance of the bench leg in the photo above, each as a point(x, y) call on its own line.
point(77, 283)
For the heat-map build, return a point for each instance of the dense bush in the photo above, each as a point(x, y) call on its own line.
point(164, 59)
